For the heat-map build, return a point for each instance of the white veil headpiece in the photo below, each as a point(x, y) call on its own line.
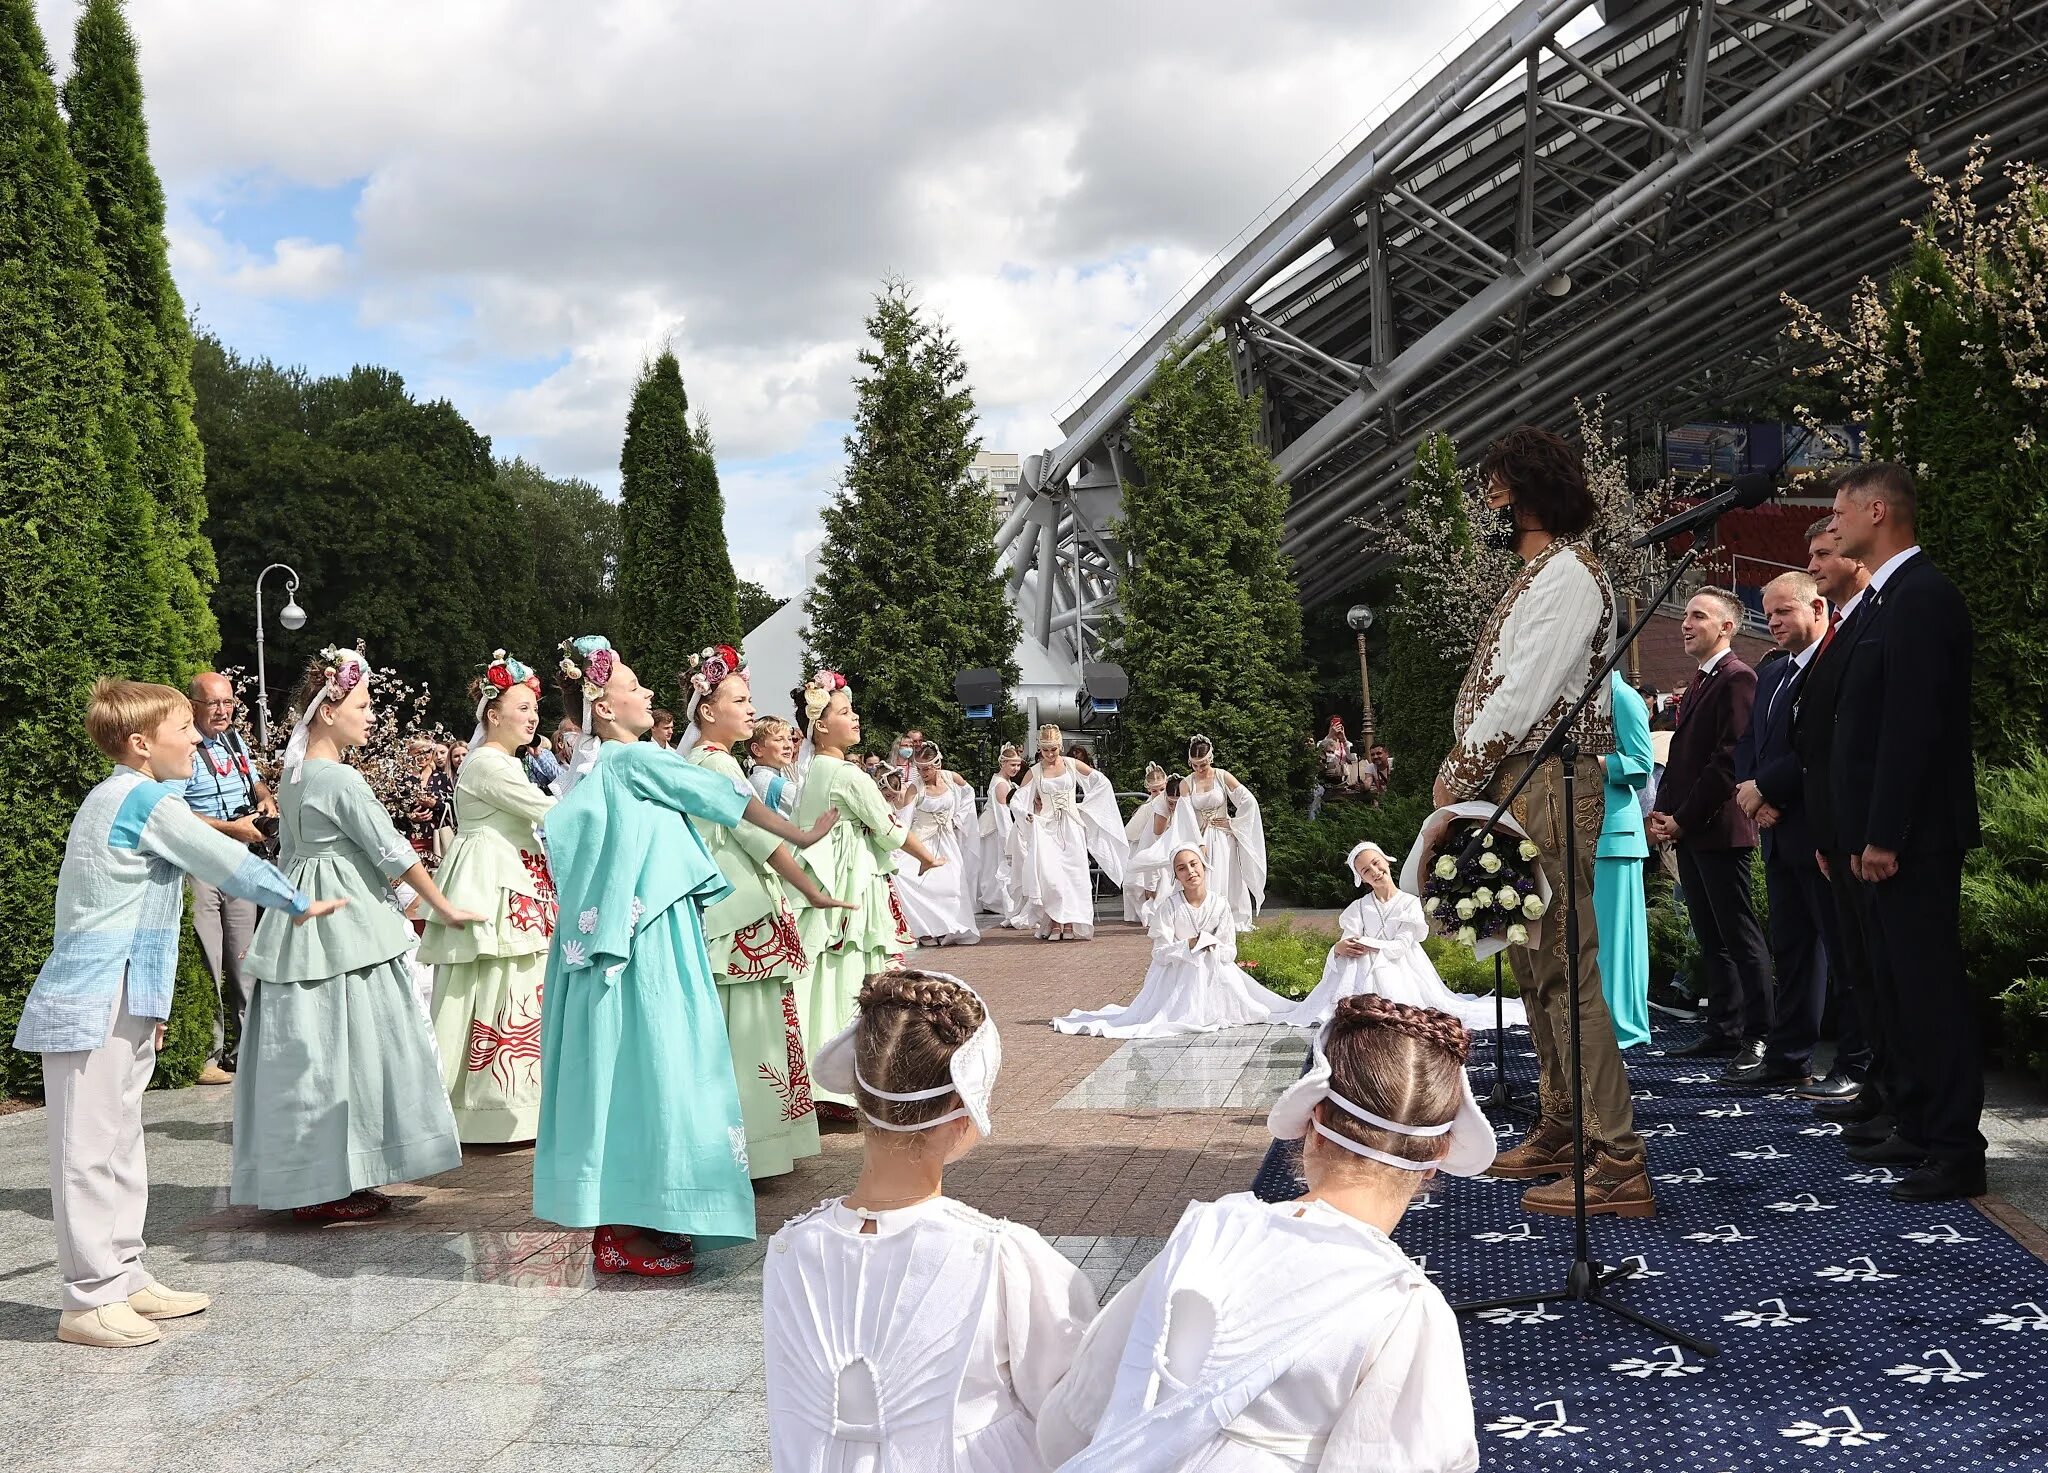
point(345, 671)
point(1351, 859)
point(972, 1071)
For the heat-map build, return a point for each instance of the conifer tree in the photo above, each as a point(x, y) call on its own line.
point(677, 592)
point(174, 576)
point(908, 592)
point(1209, 621)
point(1427, 649)
point(59, 376)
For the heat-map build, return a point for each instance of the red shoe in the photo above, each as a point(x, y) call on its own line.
point(609, 1256)
point(346, 1209)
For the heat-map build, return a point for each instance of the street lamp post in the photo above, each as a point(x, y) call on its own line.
point(1360, 619)
point(292, 617)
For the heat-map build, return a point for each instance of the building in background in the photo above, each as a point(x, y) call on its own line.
point(998, 470)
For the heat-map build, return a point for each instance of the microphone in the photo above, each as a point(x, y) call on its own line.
point(1752, 488)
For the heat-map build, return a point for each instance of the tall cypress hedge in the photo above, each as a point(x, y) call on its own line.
point(1209, 628)
point(677, 592)
point(59, 384)
point(110, 140)
point(908, 592)
point(1417, 678)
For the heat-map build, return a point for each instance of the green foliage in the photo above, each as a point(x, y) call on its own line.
point(390, 510)
point(188, 1037)
point(2005, 904)
point(1416, 680)
point(1209, 623)
point(908, 592)
point(168, 558)
point(1288, 958)
point(59, 381)
point(757, 605)
point(677, 593)
point(1305, 858)
point(574, 532)
point(1674, 950)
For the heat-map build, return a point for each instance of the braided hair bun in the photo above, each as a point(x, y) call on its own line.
point(1400, 1062)
point(910, 1025)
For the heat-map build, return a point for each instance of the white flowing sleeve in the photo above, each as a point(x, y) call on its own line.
point(1044, 1305)
point(1539, 655)
point(1250, 832)
point(1405, 928)
point(1103, 825)
point(1354, 923)
point(1070, 1415)
point(1412, 1411)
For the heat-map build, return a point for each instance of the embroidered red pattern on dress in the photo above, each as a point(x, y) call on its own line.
point(904, 936)
point(768, 946)
point(535, 912)
point(795, 1087)
point(510, 1050)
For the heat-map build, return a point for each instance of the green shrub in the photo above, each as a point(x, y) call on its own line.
point(1288, 958)
point(2005, 906)
point(1305, 857)
point(2023, 1009)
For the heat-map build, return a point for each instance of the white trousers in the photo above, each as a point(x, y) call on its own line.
point(99, 1183)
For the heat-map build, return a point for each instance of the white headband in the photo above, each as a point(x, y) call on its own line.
point(295, 749)
point(972, 1069)
point(476, 738)
point(1293, 1116)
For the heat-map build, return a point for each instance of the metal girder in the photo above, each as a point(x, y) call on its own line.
point(1664, 176)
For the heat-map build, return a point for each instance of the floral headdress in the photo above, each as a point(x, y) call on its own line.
point(587, 660)
point(501, 675)
point(346, 669)
point(708, 668)
point(818, 693)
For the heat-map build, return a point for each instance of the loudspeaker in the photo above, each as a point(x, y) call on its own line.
point(978, 691)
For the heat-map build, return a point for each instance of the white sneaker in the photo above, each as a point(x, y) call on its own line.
point(110, 1326)
point(158, 1303)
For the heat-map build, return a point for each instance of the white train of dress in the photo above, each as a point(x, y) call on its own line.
point(938, 904)
point(1194, 984)
point(1398, 969)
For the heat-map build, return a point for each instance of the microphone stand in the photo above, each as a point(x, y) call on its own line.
point(1501, 1096)
point(1587, 1280)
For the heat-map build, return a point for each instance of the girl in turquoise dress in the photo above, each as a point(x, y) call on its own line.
point(641, 1136)
point(1618, 872)
point(338, 1091)
point(751, 935)
point(846, 946)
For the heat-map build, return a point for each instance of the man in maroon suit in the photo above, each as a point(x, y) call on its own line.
point(1716, 840)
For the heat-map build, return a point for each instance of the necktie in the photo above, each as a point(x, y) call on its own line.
point(1834, 623)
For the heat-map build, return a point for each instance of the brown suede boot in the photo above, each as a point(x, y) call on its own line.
point(1613, 1189)
point(1545, 1151)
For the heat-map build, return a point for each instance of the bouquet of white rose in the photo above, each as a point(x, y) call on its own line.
point(1495, 897)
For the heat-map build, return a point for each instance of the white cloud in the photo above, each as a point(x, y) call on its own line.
point(578, 185)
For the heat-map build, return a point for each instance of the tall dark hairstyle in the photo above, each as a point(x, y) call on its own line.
point(1545, 477)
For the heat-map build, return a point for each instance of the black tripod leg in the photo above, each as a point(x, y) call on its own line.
point(1501, 1096)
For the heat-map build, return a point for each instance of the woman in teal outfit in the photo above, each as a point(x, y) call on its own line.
point(1618, 872)
point(641, 1137)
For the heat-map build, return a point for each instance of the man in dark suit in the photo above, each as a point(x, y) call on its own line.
point(1716, 840)
point(1768, 790)
point(1904, 788)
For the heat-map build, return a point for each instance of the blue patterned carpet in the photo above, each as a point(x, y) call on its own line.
point(1855, 1332)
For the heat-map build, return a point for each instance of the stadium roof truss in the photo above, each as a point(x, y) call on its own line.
point(1548, 219)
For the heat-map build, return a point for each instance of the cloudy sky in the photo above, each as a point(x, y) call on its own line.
point(512, 202)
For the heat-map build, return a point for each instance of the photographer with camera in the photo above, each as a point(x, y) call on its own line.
point(225, 791)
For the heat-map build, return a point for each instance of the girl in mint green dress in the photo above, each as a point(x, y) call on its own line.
point(641, 1136)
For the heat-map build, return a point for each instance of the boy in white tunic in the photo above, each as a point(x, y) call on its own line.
point(1224, 1355)
point(96, 1013)
point(906, 1332)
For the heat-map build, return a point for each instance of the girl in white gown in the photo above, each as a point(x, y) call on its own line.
point(938, 807)
point(1072, 815)
point(1194, 984)
point(1225, 1356)
point(996, 891)
point(1146, 828)
point(906, 1332)
point(1221, 811)
point(1379, 949)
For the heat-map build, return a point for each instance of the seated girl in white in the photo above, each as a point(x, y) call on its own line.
point(906, 1332)
point(1379, 949)
point(1285, 1336)
point(1194, 984)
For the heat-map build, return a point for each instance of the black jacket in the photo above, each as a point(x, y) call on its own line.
point(1903, 774)
point(1765, 756)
